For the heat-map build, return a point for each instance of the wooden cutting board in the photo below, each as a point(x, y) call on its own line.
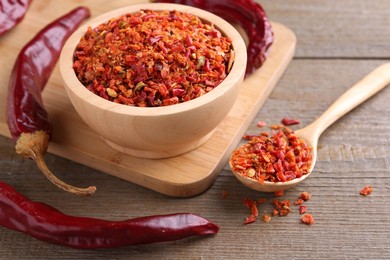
point(182, 176)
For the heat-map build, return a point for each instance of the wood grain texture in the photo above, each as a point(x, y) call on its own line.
point(331, 28)
point(354, 152)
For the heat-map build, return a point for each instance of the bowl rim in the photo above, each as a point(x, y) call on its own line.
point(76, 87)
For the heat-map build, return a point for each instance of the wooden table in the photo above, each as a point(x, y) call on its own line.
point(339, 42)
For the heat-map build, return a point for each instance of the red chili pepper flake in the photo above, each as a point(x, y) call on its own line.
point(225, 194)
point(302, 209)
point(261, 201)
point(307, 219)
point(252, 204)
point(366, 191)
point(282, 208)
point(248, 137)
point(305, 196)
point(261, 124)
point(279, 193)
point(153, 58)
point(278, 158)
point(298, 202)
point(266, 218)
point(290, 121)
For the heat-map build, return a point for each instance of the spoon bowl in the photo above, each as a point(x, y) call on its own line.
point(357, 94)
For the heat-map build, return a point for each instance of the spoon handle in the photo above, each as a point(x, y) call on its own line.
point(357, 94)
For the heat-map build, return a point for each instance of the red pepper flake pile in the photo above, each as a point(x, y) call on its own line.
point(278, 158)
point(366, 191)
point(153, 58)
point(308, 219)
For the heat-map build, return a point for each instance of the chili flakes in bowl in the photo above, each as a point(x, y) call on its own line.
point(153, 58)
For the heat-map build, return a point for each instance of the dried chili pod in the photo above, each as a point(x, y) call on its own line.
point(26, 116)
point(12, 13)
point(250, 16)
point(46, 223)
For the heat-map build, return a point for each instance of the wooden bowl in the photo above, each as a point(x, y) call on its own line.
point(155, 132)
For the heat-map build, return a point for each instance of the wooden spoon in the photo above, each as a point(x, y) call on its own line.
point(357, 94)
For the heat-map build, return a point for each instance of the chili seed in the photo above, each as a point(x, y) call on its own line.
point(289, 121)
point(112, 93)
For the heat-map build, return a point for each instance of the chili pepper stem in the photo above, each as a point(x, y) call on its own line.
point(34, 145)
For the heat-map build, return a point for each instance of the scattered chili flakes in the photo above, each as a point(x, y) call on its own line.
point(266, 218)
point(290, 121)
point(153, 58)
point(305, 196)
point(282, 208)
point(307, 219)
point(261, 124)
point(302, 209)
point(278, 158)
point(366, 190)
point(279, 193)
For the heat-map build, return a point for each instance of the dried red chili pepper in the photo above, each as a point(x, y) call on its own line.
point(26, 116)
point(250, 16)
point(12, 13)
point(46, 223)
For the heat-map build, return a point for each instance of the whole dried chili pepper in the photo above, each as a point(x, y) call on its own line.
point(48, 224)
point(250, 16)
point(12, 13)
point(26, 116)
